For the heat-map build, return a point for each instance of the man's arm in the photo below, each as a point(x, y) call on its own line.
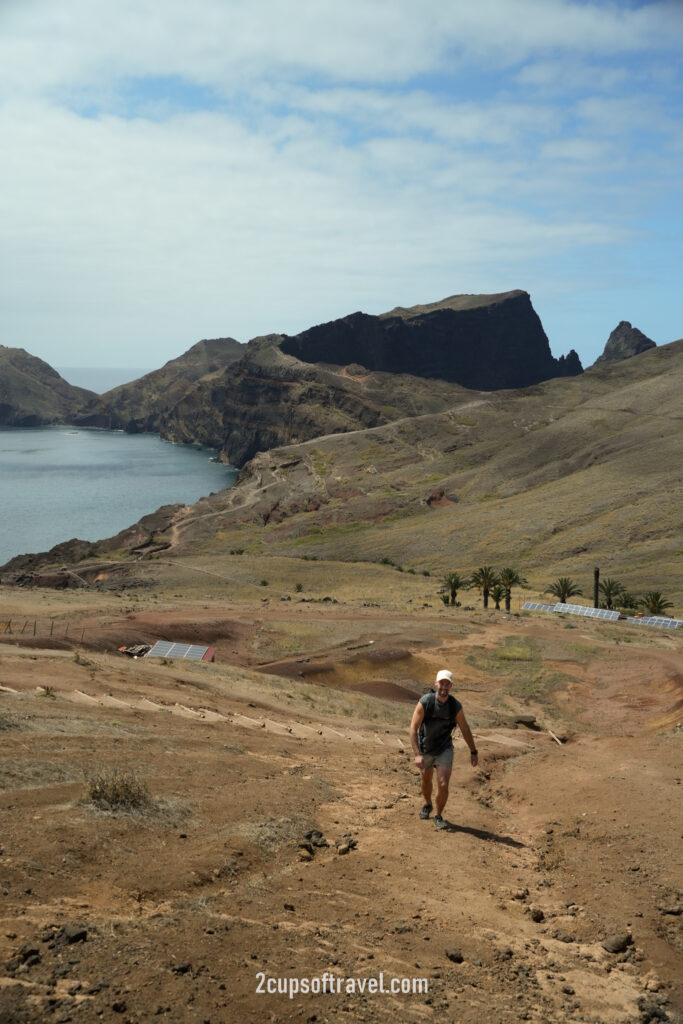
point(467, 736)
point(417, 719)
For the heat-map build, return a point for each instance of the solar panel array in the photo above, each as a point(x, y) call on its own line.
point(591, 613)
point(534, 606)
point(601, 613)
point(166, 649)
point(653, 620)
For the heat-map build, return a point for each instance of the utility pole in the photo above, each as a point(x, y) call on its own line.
point(596, 588)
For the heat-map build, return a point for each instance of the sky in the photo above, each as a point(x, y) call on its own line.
point(233, 168)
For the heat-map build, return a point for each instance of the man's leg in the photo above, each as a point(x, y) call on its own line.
point(426, 783)
point(443, 774)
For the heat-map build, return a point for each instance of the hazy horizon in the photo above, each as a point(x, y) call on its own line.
point(101, 378)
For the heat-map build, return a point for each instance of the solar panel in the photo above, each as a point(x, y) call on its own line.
point(653, 620)
point(590, 613)
point(192, 652)
point(534, 606)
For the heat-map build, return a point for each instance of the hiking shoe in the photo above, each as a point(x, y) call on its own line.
point(439, 822)
point(426, 811)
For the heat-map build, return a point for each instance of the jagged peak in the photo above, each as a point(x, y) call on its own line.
point(624, 342)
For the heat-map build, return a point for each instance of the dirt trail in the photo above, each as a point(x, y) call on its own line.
point(180, 910)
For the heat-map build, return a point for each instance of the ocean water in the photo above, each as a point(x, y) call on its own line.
point(62, 482)
point(100, 378)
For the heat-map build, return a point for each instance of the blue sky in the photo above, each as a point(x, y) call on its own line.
point(173, 172)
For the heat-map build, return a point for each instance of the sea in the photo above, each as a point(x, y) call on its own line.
point(57, 483)
point(100, 378)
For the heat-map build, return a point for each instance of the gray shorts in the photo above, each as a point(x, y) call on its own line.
point(444, 758)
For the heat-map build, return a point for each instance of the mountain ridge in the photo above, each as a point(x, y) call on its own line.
point(569, 473)
point(333, 377)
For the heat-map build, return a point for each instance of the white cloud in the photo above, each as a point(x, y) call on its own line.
point(227, 42)
point(325, 178)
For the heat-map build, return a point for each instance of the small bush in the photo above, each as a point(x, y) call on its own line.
point(264, 583)
point(299, 587)
point(114, 790)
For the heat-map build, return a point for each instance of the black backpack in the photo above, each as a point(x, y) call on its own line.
point(429, 706)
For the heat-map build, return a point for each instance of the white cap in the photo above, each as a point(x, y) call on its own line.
point(444, 674)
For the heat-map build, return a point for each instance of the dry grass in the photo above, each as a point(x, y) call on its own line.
point(554, 479)
point(116, 790)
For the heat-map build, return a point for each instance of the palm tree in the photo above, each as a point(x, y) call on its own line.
point(510, 578)
point(611, 590)
point(655, 603)
point(451, 583)
point(562, 588)
point(498, 593)
point(484, 579)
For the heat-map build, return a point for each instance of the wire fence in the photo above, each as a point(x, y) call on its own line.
point(41, 628)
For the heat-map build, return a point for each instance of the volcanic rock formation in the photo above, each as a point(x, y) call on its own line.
point(137, 407)
point(624, 341)
point(353, 373)
point(363, 371)
point(32, 394)
point(485, 342)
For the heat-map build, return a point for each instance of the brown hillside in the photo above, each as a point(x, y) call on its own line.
point(140, 405)
point(554, 895)
point(555, 479)
point(32, 394)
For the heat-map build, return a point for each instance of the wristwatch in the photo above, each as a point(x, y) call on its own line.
point(474, 752)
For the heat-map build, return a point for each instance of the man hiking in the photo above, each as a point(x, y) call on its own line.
point(434, 718)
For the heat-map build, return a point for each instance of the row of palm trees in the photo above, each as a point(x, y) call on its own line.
point(490, 582)
point(497, 584)
point(614, 595)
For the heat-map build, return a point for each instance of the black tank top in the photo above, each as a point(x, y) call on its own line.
point(437, 727)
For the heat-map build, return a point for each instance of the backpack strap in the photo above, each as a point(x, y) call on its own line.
point(431, 704)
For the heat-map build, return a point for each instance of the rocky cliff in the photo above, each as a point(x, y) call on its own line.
point(624, 342)
point(363, 371)
point(485, 342)
point(270, 398)
point(353, 373)
point(559, 474)
point(32, 394)
point(138, 407)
